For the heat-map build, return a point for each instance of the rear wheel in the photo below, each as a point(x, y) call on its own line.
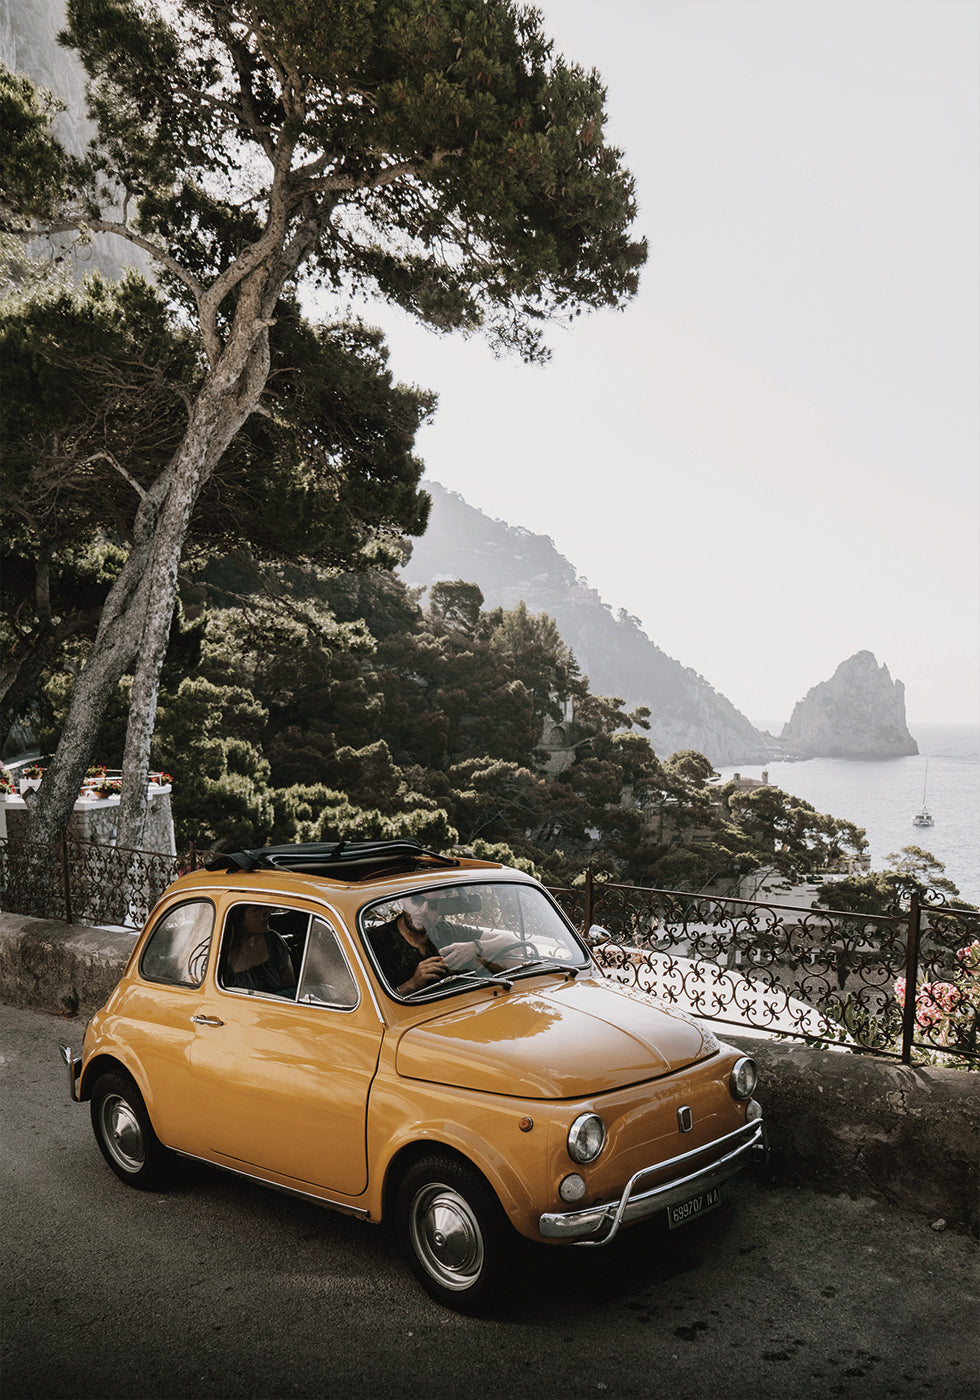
point(125, 1134)
point(454, 1233)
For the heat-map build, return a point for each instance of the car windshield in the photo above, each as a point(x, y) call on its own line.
point(445, 940)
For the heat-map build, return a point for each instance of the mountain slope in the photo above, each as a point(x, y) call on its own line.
point(510, 564)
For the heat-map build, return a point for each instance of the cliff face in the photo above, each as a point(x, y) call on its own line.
point(510, 564)
point(858, 713)
point(29, 44)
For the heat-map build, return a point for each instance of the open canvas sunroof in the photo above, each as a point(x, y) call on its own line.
point(341, 860)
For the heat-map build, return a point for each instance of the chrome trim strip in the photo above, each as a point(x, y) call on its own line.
point(74, 1063)
point(360, 1211)
point(747, 1142)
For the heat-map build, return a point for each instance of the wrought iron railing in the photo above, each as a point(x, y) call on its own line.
point(84, 882)
point(816, 974)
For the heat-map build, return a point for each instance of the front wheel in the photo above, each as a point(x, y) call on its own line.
point(125, 1134)
point(454, 1233)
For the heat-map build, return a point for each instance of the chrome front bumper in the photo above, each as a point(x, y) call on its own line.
point(745, 1145)
point(74, 1063)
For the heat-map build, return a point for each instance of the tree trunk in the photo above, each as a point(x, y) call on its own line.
point(220, 411)
point(49, 814)
point(139, 608)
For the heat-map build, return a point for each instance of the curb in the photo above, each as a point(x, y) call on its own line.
point(836, 1121)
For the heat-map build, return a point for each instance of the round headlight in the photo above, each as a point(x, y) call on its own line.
point(585, 1137)
point(743, 1079)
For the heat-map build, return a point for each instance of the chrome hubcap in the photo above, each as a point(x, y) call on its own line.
point(446, 1236)
point(123, 1134)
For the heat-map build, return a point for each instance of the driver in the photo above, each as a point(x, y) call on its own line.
point(418, 946)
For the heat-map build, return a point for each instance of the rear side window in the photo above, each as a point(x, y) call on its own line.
point(177, 949)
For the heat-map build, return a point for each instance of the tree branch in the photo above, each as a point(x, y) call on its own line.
point(107, 456)
point(83, 223)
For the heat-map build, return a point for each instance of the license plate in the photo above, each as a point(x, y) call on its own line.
point(689, 1210)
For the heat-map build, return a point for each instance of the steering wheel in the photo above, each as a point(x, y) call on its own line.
point(521, 943)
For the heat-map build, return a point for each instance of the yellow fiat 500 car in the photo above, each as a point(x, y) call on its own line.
point(405, 1035)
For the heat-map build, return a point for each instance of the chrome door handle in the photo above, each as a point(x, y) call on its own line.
point(206, 1021)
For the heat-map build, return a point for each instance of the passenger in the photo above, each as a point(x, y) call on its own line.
point(257, 958)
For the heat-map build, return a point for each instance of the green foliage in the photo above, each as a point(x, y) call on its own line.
point(33, 167)
point(432, 727)
point(910, 871)
point(436, 154)
point(318, 813)
point(795, 838)
point(94, 406)
point(471, 155)
point(690, 765)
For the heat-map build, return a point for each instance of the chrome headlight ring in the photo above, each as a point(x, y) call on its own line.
point(586, 1138)
point(743, 1078)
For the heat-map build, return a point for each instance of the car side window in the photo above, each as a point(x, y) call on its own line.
point(327, 978)
point(177, 949)
point(262, 949)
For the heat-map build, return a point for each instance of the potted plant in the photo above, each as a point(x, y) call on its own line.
point(93, 777)
point(30, 777)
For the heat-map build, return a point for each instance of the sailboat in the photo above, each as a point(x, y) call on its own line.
point(923, 816)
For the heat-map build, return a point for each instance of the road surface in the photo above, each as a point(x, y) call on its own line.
point(219, 1288)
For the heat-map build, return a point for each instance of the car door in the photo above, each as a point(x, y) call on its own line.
point(281, 1082)
point(160, 1007)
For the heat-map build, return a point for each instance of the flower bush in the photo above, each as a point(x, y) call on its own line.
point(7, 783)
point(949, 1012)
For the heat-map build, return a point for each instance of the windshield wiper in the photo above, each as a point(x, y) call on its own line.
point(478, 979)
point(546, 963)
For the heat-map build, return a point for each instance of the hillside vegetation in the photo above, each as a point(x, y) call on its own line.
point(336, 706)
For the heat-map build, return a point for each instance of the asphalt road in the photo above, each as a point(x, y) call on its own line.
point(218, 1288)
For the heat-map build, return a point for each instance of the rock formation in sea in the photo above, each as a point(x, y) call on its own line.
point(858, 713)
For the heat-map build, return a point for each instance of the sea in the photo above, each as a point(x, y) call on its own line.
point(883, 795)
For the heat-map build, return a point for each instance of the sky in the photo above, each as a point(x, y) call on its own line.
point(772, 457)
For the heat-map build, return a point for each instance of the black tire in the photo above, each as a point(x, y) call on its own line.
point(125, 1134)
point(454, 1234)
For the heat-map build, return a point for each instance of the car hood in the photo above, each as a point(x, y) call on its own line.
point(558, 1041)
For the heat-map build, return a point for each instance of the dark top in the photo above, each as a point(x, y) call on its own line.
point(397, 958)
point(265, 976)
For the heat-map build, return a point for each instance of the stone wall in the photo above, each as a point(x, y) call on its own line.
point(94, 819)
point(872, 1127)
